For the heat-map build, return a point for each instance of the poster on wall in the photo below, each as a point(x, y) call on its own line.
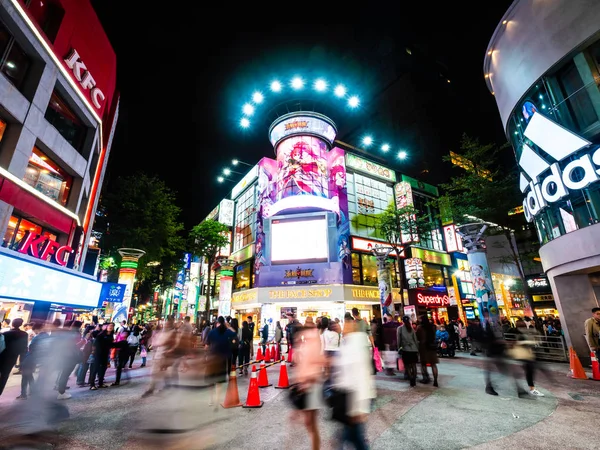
point(411, 311)
point(285, 310)
point(226, 212)
point(265, 197)
point(453, 240)
point(413, 268)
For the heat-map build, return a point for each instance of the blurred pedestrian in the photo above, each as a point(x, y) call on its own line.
point(245, 338)
point(15, 341)
point(408, 346)
point(309, 377)
point(164, 342)
point(357, 381)
point(133, 341)
point(592, 331)
point(86, 351)
point(264, 336)
point(278, 336)
point(122, 356)
point(32, 359)
point(219, 344)
point(462, 333)
point(427, 349)
point(103, 341)
point(235, 348)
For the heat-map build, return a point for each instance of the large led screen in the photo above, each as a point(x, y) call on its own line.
point(24, 280)
point(299, 240)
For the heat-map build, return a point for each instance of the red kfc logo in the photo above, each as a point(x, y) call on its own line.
point(42, 247)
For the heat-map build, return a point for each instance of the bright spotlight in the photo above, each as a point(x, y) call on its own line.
point(220, 179)
point(276, 86)
point(297, 83)
point(235, 162)
point(402, 155)
point(244, 123)
point(353, 101)
point(226, 171)
point(257, 97)
point(367, 140)
point(385, 147)
point(248, 109)
point(320, 85)
point(340, 90)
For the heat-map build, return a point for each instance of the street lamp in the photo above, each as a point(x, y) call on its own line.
point(227, 171)
point(235, 162)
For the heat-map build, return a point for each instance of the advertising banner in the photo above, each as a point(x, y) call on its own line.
point(431, 298)
point(111, 292)
point(226, 212)
point(413, 268)
point(371, 168)
point(482, 284)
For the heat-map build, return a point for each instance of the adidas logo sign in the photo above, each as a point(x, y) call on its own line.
point(559, 143)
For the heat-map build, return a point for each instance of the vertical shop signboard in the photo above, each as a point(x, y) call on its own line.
point(482, 284)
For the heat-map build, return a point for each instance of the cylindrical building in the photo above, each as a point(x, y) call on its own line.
point(543, 67)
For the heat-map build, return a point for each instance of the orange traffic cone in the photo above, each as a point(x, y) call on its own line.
point(267, 354)
point(253, 399)
point(290, 360)
point(277, 354)
point(595, 367)
point(577, 371)
point(232, 398)
point(263, 379)
point(284, 382)
point(259, 355)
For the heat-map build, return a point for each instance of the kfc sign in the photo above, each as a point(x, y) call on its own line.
point(42, 247)
point(84, 77)
point(430, 298)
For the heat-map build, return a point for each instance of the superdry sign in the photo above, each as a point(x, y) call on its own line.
point(41, 247)
point(429, 298)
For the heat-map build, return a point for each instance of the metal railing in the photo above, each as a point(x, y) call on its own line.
point(548, 348)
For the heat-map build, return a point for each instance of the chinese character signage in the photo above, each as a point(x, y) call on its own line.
point(414, 273)
point(111, 292)
point(299, 276)
point(226, 212)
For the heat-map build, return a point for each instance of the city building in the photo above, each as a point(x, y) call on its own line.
point(58, 110)
point(543, 67)
point(304, 227)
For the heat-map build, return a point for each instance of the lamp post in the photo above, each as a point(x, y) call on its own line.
point(474, 243)
point(235, 162)
point(127, 271)
point(384, 277)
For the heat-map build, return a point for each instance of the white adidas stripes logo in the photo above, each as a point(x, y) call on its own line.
point(559, 143)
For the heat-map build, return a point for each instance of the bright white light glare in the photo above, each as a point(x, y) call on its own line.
point(297, 83)
point(220, 179)
point(285, 245)
point(248, 109)
point(402, 154)
point(276, 86)
point(235, 162)
point(226, 171)
point(340, 90)
point(320, 85)
point(10, 65)
point(385, 147)
point(367, 140)
point(257, 97)
point(353, 101)
point(244, 123)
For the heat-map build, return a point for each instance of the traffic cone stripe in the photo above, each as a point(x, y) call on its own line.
point(595, 367)
point(232, 397)
point(263, 379)
point(577, 371)
point(284, 382)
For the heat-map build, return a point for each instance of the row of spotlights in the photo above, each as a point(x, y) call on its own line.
point(296, 83)
point(368, 141)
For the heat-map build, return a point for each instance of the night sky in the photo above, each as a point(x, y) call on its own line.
point(184, 76)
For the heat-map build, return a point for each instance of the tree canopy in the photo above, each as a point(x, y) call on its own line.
point(140, 211)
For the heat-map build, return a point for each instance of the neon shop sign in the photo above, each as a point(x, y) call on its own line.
point(42, 247)
point(84, 77)
point(433, 300)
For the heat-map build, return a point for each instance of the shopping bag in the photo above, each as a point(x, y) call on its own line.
point(400, 365)
point(377, 359)
point(389, 359)
point(144, 353)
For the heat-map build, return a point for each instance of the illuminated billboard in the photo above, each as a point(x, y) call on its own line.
point(305, 124)
point(299, 240)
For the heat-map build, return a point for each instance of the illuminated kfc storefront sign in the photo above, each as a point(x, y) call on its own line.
point(429, 298)
point(84, 77)
point(42, 247)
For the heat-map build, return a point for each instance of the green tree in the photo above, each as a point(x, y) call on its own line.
point(139, 211)
point(405, 225)
point(485, 191)
point(206, 240)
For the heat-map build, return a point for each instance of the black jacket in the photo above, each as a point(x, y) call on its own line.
point(102, 344)
point(16, 345)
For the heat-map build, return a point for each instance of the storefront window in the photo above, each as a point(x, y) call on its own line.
point(433, 274)
point(48, 14)
point(14, 62)
point(47, 177)
point(17, 227)
point(356, 268)
point(244, 220)
point(243, 276)
point(369, 270)
point(66, 122)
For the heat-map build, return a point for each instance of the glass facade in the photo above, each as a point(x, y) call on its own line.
point(364, 270)
point(367, 199)
point(243, 277)
point(244, 220)
point(47, 177)
point(18, 227)
point(66, 122)
point(570, 96)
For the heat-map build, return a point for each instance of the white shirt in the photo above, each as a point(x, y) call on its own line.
point(331, 341)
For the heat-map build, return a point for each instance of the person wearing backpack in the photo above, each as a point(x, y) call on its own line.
point(133, 341)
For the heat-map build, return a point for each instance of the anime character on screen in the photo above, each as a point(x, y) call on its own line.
point(528, 110)
point(344, 251)
point(302, 171)
point(483, 292)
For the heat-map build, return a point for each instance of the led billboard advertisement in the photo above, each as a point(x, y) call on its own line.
point(306, 125)
point(303, 240)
